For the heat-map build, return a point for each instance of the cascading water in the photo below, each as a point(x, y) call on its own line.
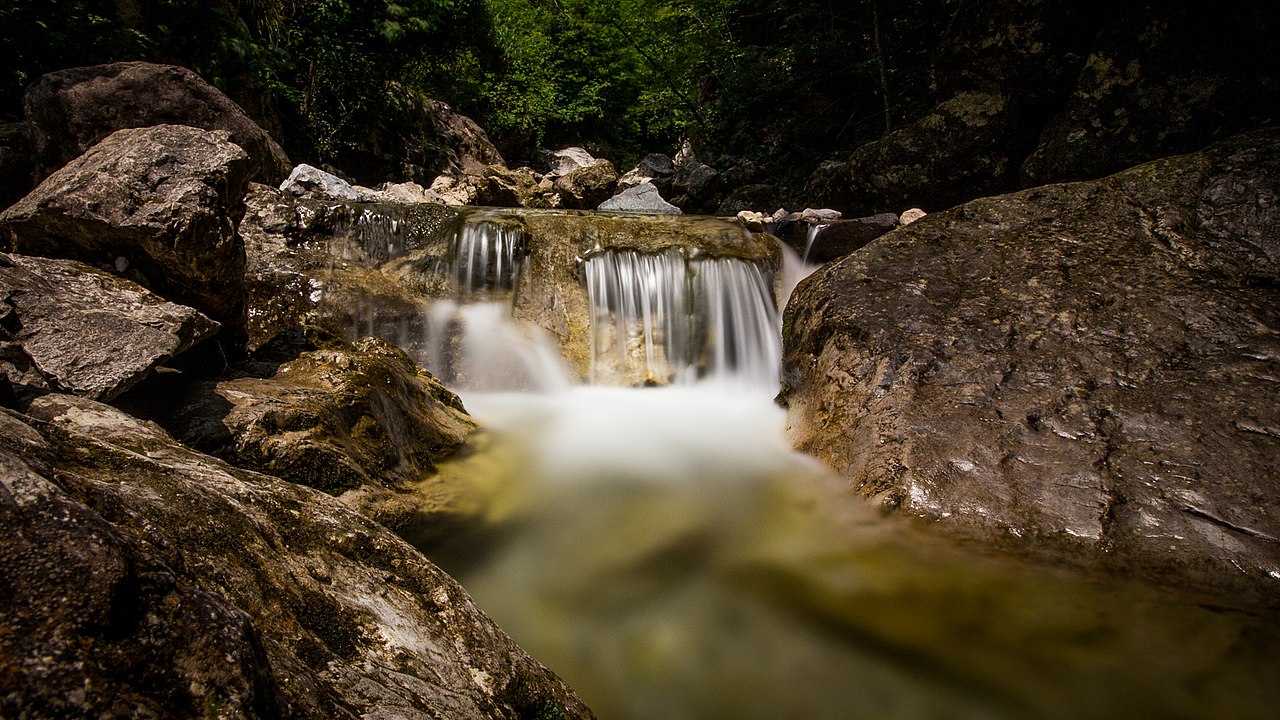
point(661, 318)
point(665, 551)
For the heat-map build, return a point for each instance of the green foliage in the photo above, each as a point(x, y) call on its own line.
point(771, 82)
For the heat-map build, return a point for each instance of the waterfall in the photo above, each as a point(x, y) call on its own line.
point(666, 316)
point(811, 235)
point(485, 259)
point(659, 318)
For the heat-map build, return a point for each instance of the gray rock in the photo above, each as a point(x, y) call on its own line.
point(167, 200)
point(643, 198)
point(312, 182)
point(1155, 84)
point(657, 165)
point(72, 110)
point(460, 142)
point(144, 579)
point(85, 331)
point(965, 147)
point(692, 177)
point(562, 162)
point(1087, 370)
point(820, 215)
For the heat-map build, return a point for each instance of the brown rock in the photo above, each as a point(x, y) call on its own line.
point(143, 579)
point(72, 110)
point(359, 421)
point(84, 331)
point(159, 205)
point(1086, 368)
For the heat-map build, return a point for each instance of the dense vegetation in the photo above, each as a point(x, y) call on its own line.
point(753, 83)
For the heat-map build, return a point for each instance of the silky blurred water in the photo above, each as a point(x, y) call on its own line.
point(666, 553)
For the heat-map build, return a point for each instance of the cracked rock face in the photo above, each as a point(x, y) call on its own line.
point(157, 204)
point(64, 324)
point(144, 579)
point(1086, 367)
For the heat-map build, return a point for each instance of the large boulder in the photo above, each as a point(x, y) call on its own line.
point(500, 186)
point(586, 187)
point(322, 263)
point(143, 579)
point(1087, 368)
point(359, 421)
point(160, 206)
point(85, 331)
point(72, 110)
point(1037, 91)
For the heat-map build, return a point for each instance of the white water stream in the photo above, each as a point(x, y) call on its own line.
point(668, 554)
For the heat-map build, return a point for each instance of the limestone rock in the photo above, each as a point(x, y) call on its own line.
point(1086, 368)
point(159, 204)
point(85, 331)
point(909, 216)
point(359, 421)
point(586, 187)
point(323, 263)
point(564, 161)
point(643, 198)
point(312, 182)
point(72, 110)
point(144, 579)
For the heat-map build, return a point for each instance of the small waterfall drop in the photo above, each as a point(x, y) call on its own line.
point(486, 257)
point(660, 318)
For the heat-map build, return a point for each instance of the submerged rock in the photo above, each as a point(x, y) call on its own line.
point(72, 110)
point(144, 579)
point(87, 332)
point(1088, 368)
point(159, 205)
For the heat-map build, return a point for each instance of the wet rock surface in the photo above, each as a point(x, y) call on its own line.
point(72, 110)
point(322, 263)
point(358, 421)
point(84, 331)
point(144, 579)
point(159, 205)
point(1087, 369)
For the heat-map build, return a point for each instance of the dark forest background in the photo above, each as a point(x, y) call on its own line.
point(748, 81)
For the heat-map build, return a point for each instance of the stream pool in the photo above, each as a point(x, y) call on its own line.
point(669, 556)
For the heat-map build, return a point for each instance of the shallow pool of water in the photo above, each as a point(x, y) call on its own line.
point(666, 553)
